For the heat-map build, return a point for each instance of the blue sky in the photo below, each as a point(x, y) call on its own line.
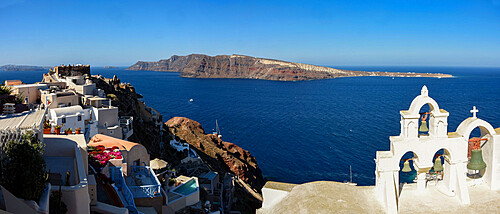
point(120, 32)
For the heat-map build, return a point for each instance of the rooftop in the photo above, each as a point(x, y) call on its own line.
point(325, 197)
point(41, 86)
point(71, 110)
point(24, 120)
point(107, 141)
point(13, 82)
point(97, 99)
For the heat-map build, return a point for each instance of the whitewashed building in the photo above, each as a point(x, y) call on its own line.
point(424, 151)
point(70, 117)
point(31, 92)
point(57, 99)
point(108, 121)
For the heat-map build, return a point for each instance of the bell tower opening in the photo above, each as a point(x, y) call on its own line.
point(476, 166)
point(407, 170)
point(423, 128)
point(437, 172)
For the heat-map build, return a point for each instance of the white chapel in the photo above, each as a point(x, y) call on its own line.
point(454, 161)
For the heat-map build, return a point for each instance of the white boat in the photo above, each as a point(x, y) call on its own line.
point(350, 175)
point(217, 130)
point(191, 100)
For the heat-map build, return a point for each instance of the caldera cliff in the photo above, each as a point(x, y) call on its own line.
point(221, 155)
point(247, 67)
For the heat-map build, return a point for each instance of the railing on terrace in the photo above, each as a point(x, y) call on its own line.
point(116, 174)
point(145, 191)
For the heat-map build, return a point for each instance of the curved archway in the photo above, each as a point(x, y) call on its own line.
point(468, 125)
point(403, 154)
point(441, 160)
point(420, 101)
point(486, 142)
point(407, 177)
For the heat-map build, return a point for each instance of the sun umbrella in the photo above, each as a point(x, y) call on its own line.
point(158, 164)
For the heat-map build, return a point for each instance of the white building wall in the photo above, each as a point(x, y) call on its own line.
point(425, 147)
point(271, 197)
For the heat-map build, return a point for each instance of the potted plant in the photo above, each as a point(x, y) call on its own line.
point(78, 130)
point(46, 127)
point(68, 131)
point(57, 129)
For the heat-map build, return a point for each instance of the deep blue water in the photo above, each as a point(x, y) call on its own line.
point(311, 130)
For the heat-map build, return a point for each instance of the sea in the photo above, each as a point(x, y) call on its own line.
point(311, 130)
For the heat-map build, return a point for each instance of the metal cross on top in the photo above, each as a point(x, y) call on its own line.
point(474, 111)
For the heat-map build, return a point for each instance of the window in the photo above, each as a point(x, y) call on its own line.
point(137, 162)
point(63, 120)
point(79, 117)
point(111, 132)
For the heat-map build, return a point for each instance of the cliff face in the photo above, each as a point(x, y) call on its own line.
point(146, 132)
point(220, 155)
point(239, 66)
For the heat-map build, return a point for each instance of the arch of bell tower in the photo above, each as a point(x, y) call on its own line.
point(438, 118)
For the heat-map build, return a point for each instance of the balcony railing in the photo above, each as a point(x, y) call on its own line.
point(117, 177)
point(145, 191)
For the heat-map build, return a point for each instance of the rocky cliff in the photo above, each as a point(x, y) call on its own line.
point(247, 67)
point(220, 155)
point(146, 129)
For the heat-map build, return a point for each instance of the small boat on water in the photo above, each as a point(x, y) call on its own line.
point(350, 175)
point(191, 100)
point(217, 130)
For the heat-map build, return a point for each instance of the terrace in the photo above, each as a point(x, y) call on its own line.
point(66, 160)
point(186, 194)
point(143, 183)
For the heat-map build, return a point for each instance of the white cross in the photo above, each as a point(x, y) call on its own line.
point(474, 111)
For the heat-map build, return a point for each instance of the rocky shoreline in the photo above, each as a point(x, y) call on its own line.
point(222, 157)
point(247, 67)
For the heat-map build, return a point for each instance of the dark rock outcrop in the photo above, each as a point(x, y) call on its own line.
point(220, 155)
point(247, 67)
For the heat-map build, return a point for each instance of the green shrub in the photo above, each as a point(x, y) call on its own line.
point(23, 168)
point(5, 90)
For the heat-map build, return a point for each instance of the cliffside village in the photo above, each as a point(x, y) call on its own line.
point(88, 155)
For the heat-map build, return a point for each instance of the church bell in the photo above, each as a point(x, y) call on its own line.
point(476, 160)
point(406, 166)
point(423, 127)
point(438, 166)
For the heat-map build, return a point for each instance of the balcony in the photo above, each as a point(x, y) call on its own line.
point(143, 182)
